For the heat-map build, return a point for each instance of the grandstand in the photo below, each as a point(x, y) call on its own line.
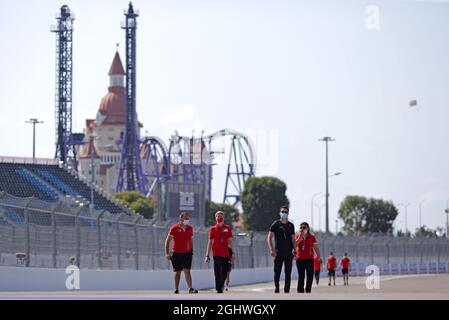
point(49, 183)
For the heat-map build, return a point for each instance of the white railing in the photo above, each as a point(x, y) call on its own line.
point(24, 160)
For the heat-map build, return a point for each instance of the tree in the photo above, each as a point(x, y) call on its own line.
point(136, 201)
point(367, 215)
point(402, 234)
point(230, 213)
point(425, 232)
point(352, 211)
point(262, 198)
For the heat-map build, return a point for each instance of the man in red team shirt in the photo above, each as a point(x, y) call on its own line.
point(220, 237)
point(331, 266)
point(182, 251)
point(345, 264)
point(306, 246)
point(317, 268)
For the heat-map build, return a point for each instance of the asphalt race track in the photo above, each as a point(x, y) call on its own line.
point(435, 287)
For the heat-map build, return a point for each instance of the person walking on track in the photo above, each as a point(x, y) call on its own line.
point(283, 233)
point(182, 251)
point(345, 264)
point(331, 266)
point(220, 237)
point(306, 248)
point(317, 268)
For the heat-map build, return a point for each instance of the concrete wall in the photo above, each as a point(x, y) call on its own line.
point(42, 279)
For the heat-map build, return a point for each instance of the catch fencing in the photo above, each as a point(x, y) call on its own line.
point(35, 233)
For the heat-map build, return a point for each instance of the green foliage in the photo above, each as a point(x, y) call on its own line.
point(428, 232)
point(403, 234)
point(137, 202)
point(261, 200)
point(367, 215)
point(230, 213)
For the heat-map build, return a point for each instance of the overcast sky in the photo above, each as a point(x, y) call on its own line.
point(286, 72)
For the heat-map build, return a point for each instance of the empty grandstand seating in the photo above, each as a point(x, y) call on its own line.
point(27, 175)
point(57, 182)
point(87, 220)
point(3, 222)
point(14, 215)
point(48, 182)
point(79, 186)
point(15, 182)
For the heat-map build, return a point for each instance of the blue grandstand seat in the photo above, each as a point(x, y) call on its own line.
point(3, 222)
point(395, 268)
point(15, 184)
point(423, 267)
point(386, 268)
point(441, 267)
point(21, 180)
point(56, 181)
point(14, 215)
point(37, 183)
point(81, 188)
point(433, 267)
point(413, 267)
point(84, 218)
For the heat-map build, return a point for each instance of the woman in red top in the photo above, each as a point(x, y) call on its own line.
point(306, 247)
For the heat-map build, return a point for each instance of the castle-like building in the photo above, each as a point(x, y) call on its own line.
point(102, 150)
point(105, 131)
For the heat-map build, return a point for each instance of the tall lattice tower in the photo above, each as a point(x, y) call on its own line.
point(130, 173)
point(65, 149)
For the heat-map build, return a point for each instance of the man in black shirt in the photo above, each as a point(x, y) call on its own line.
point(283, 232)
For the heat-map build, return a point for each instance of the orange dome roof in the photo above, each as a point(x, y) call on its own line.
point(113, 106)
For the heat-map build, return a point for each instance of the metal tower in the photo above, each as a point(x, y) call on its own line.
point(241, 166)
point(130, 173)
point(65, 147)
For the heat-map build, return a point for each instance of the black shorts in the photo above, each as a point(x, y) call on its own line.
point(331, 272)
point(181, 261)
point(344, 271)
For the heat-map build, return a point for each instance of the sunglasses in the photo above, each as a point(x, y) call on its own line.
point(284, 211)
point(302, 228)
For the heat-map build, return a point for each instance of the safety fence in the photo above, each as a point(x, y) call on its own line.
point(35, 233)
point(364, 269)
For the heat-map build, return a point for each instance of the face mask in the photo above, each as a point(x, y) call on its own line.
point(219, 219)
point(186, 222)
point(284, 216)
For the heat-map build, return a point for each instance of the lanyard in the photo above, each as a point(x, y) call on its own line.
point(303, 246)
